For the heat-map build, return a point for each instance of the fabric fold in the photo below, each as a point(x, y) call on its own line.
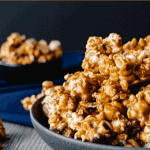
point(11, 109)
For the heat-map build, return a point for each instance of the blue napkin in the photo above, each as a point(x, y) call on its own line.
point(11, 109)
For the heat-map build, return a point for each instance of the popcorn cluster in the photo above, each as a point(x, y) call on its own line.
point(129, 62)
point(96, 105)
point(2, 131)
point(27, 102)
point(19, 50)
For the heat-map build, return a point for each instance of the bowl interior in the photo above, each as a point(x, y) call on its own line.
point(38, 113)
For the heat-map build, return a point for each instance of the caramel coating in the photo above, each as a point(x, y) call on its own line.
point(19, 50)
point(96, 105)
point(145, 134)
point(110, 91)
point(98, 118)
point(27, 102)
point(2, 130)
point(118, 62)
point(90, 118)
point(139, 107)
point(92, 129)
point(82, 84)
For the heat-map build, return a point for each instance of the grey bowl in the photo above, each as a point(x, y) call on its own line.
point(60, 142)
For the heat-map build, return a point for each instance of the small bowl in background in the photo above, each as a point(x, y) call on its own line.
point(33, 73)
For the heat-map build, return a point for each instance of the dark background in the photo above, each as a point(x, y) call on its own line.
point(73, 22)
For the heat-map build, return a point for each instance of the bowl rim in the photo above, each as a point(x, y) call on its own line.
point(72, 140)
point(9, 65)
point(6, 64)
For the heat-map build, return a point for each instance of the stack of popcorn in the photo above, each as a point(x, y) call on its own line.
point(19, 50)
point(96, 105)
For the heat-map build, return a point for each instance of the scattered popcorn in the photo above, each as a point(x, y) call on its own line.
point(2, 131)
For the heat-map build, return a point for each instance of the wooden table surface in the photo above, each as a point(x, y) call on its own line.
point(22, 138)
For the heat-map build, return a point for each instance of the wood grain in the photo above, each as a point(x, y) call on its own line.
point(22, 138)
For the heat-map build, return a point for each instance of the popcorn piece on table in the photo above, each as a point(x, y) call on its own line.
point(27, 102)
point(2, 130)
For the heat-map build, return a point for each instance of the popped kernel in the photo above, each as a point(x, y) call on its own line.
point(96, 105)
point(19, 50)
point(139, 107)
point(118, 62)
point(2, 130)
point(27, 102)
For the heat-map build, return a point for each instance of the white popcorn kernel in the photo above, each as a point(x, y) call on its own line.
point(132, 57)
point(97, 136)
point(143, 54)
point(47, 92)
point(54, 44)
point(32, 57)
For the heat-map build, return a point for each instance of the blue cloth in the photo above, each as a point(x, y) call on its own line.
point(11, 109)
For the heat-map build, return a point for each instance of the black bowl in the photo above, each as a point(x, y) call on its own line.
point(36, 72)
point(58, 141)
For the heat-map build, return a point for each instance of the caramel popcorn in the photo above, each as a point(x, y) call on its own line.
point(139, 107)
point(2, 131)
point(92, 119)
point(82, 84)
point(19, 50)
point(97, 105)
point(93, 129)
point(130, 62)
point(27, 102)
point(47, 87)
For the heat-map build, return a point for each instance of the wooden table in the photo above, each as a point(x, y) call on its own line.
point(22, 138)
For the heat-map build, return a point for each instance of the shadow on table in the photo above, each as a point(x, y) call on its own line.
point(4, 142)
